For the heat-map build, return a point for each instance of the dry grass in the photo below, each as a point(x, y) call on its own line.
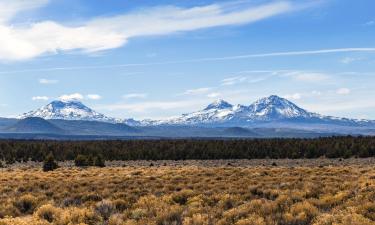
point(189, 195)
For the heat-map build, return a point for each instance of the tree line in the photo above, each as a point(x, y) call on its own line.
point(331, 147)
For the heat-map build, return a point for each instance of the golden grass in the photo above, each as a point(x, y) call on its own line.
point(189, 195)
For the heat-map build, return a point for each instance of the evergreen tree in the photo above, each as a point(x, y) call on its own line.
point(81, 161)
point(90, 160)
point(49, 163)
point(98, 161)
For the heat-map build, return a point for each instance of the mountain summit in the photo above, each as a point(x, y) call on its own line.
point(275, 107)
point(67, 110)
point(219, 104)
point(270, 110)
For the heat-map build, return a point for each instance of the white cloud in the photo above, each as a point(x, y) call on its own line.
point(343, 91)
point(316, 93)
point(338, 107)
point(10, 8)
point(287, 53)
point(50, 37)
point(348, 60)
point(306, 76)
point(197, 91)
point(47, 81)
point(135, 95)
point(214, 95)
point(152, 105)
point(40, 98)
point(75, 96)
point(233, 80)
point(294, 96)
point(94, 96)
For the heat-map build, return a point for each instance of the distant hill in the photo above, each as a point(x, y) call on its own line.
point(34, 125)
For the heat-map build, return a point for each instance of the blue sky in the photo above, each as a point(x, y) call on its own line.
point(156, 59)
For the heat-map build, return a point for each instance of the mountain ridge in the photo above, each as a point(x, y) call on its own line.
point(272, 109)
point(68, 110)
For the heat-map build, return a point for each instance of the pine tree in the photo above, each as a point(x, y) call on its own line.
point(90, 160)
point(81, 161)
point(98, 161)
point(49, 163)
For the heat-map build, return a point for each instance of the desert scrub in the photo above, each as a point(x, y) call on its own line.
point(26, 204)
point(189, 195)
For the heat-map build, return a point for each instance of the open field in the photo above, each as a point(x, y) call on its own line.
point(320, 191)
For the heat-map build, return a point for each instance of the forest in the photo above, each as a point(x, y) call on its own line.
point(330, 147)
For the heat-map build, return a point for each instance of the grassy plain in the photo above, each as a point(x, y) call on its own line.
point(188, 193)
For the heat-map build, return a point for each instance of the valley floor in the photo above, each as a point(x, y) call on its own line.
point(241, 192)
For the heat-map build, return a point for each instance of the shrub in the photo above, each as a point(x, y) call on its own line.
point(49, 163)
point(121, 205)
point(182, 196)
point(49, 213)
point(196, 219)
point(105, 209)
point(170, 216)
point(252, 220)
point(26, 204)
point(301, 213)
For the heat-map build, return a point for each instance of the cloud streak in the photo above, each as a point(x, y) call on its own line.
point(98, 34)
point(198, 60)
point(40, 98)
point(47, 81)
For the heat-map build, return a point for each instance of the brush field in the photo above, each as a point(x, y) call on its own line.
point(192, 193)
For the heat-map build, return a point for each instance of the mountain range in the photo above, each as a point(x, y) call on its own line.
point(266, 117)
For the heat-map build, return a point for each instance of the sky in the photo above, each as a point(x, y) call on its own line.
point(157, 59)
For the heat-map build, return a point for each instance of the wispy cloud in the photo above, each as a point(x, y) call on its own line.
point(295, 96)
point(74, 96)
point(343, 91)
point(94, 96)
point(306, 76)
point(9, 9)
point(259, 76)
point(370, 23)
point(20, 43)
point(134, 95)
point(286, 53)
point(214, 95)
point(140, 107)
point(197, 60)
point(233, 80)
point(40, 98)
point(197, 91)
point(47, 81)
point(347, 60)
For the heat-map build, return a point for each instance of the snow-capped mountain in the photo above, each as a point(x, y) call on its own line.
point(272, 111)
point(68, 110)
point(217, 111)
point(274, 107)
point(265, 110)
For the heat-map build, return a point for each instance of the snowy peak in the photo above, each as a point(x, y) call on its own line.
point(67, 110)
point(272, 108)
point(219, 104)
point(275, 107)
